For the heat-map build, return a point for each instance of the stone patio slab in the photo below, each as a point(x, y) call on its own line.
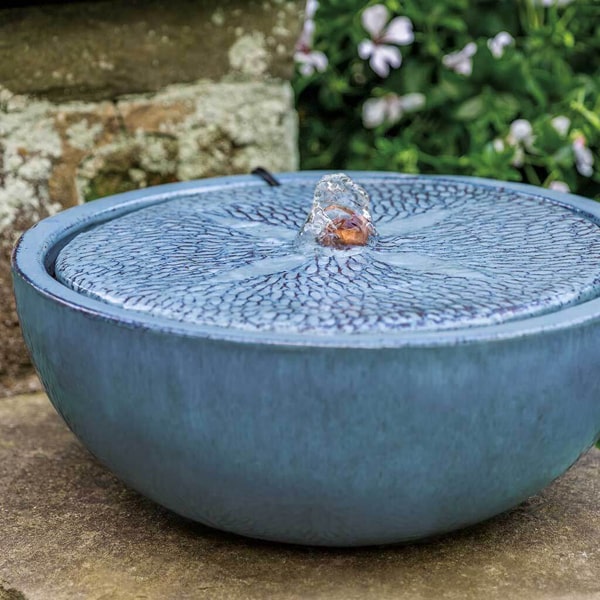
point(70, 530)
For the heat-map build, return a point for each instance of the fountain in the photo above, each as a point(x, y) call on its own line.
point(405, 356)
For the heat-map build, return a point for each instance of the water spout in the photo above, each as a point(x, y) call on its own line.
point(340, 215)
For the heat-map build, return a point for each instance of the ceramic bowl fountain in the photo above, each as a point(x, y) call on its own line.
point(436, 370)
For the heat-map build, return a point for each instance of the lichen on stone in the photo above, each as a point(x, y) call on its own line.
point(82, 135)
point(249, 54)
point(26, 160)
point(218, 17)
point(157, 153)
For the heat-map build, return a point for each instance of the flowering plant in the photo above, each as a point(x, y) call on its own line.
point(494, 88)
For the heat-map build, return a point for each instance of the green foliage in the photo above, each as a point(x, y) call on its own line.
point(551, 68)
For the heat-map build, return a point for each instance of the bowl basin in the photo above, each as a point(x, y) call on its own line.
point(329, 440)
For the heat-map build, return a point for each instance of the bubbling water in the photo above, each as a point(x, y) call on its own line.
point(340, 215)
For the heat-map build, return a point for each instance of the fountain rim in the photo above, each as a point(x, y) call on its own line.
point(35, 252)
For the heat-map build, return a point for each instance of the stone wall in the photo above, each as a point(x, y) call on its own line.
point(102, 97)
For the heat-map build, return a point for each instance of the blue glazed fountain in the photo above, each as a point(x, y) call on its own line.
point(222, 357)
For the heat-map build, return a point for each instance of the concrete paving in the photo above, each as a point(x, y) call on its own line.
point(70, 530)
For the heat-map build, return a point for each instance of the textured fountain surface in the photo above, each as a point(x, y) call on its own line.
point(447, 254)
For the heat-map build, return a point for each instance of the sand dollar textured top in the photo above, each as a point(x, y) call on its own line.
point(447, 254)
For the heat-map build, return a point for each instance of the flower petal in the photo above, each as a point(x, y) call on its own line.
point(373, 112)
point(460, 61)
point(305, 40)
point(395, 109)
point(311, 8)
point(548, 3)
point(499, 42)
point(366, 49)
point(470, 49)
point(383, 58)
point(584, 159)
point(412, 102)
point(311, 61)
point(504, 38)
point(399, 31)
point(306, 69)
point(561, 124)
point(559, 186)
point(319, 60)
point(518, 157)
point(450, 60)
point(374, 19)
point(521, 131)
point(464, 67)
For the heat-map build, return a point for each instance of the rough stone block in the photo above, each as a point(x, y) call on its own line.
point(98, 98)
point(100, 50)
point(53, 156)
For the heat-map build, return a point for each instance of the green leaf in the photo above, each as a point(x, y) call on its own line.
point(469, 110)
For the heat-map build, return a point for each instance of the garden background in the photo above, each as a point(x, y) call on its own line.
point(502, 89)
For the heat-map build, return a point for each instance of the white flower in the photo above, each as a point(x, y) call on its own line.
point(561, 124)
point(311, 61)
point(498, 145)
point(381, 55)
point(311, 9)
point(390, 108)
point(518, 158)
point(520, 133)
point(461, 61)
point(412, 102)
point(499, 42)
point(520, 136)
point(305, 41)
point(559, 186)
point(379, 110)
point(584, 159)
point(547, 3)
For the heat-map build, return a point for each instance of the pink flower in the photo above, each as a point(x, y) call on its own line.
point(378, 50)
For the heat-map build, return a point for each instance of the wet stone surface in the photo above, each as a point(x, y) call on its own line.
point(446, 255)
point(72, 531)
